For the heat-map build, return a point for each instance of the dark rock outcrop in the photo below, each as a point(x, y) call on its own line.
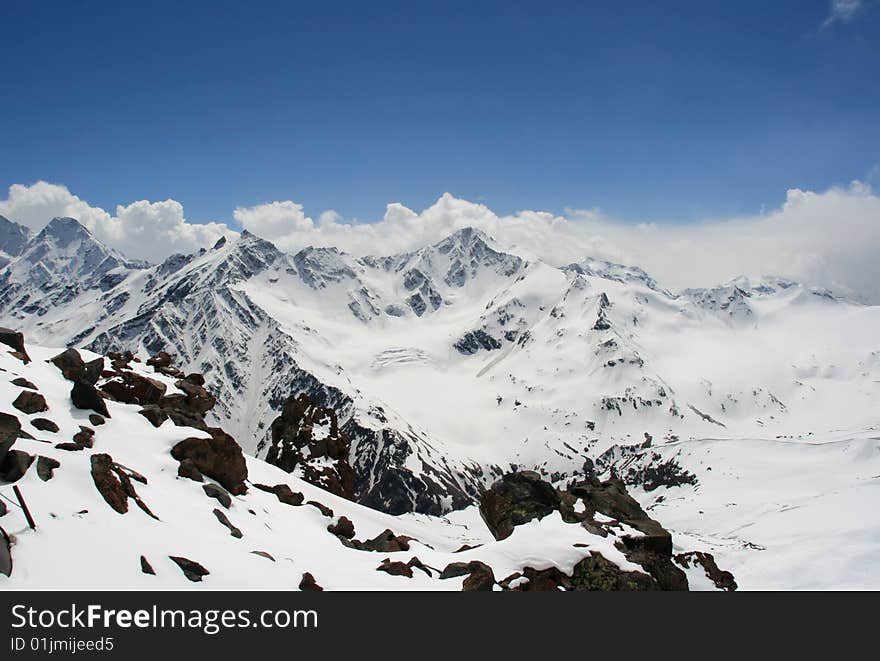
point(10, 427)
point(146, 567)
point(108, 483)
point(219, 494)
point(44, 424)
point(296, 443)
point(219, 457)
point(308, 584)
point(479, 575)
point(284, 494)
point(223, 519)
point(74, 368)
point(14, 465)
point(132, 388)
point(190, 568)
point(395, 568)
point(722, 579)
point(21, 382)
point(113, 482)
point(85, 396)
point(342, 528)
point(46, 467)
point(5, 554)
point(15, 340)
point(30, 402)
point(515, 499)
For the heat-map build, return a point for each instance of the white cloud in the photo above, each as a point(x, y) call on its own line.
point(827, 239)
point(843, 11)
point(274, 220)
point(142, 229)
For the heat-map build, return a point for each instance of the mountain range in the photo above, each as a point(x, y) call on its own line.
point(444, 368)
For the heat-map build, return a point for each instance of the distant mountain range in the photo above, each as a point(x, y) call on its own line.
point(449, 365)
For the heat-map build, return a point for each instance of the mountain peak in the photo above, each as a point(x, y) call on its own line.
point(13, 237)
point(64, 230)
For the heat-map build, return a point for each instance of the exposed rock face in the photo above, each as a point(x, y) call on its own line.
point(113, 482)
point(74, 368)
point(14, 465)
point(723, 580)
point(108, 484)
point(307, 437)
point(515, 499)
point(219, 457)
point(5, 554)
point(395, 568)
point(385, 542)
point(652, 549)
point(284, 494)
point(219, 494)
point(308, 584)
point(21, 382)
point(190, 568)
point(85, 396)
point(132, 388)
point(29, 402)
point(480, 576)
point(44, 424)
point(146, 567)
point(474, 341)
point(15, 340)
point(46, 467)
point(223, 519)
point(342, 528)
point(520, 497)
point(9, 430)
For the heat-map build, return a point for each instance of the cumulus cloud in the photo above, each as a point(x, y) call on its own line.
point(142, 229)
point(826, 239)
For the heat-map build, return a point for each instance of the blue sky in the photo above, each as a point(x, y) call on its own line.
point(648, 110)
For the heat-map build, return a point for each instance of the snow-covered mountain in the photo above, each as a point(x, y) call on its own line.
point(447, 366)
point(13, 238)
point(138, 502)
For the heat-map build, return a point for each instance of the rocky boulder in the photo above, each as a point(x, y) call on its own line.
point(15, 340)
point(9, 430)
point(74, 368)
point(85, 396)
point(132, 388)
point(515, 499)
point(219, 457)
point(30, 402)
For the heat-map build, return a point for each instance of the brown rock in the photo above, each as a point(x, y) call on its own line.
point(308, 584)
point(15, 340)
point(29, 401)
point(342, 528)
point(190, 568)
point(515, 499)
point(108, 483)
point(44, 424)
point(85, 396)
point(46, 467)
point(219, 457)
point(395, 568)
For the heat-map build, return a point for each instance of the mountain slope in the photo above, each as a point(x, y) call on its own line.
point(132, 509)
point(447, 366)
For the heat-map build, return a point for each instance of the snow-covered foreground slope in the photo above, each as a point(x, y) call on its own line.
point(780, 514)
point(256, 539)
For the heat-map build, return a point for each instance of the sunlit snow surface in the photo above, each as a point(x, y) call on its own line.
point(774, 386)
